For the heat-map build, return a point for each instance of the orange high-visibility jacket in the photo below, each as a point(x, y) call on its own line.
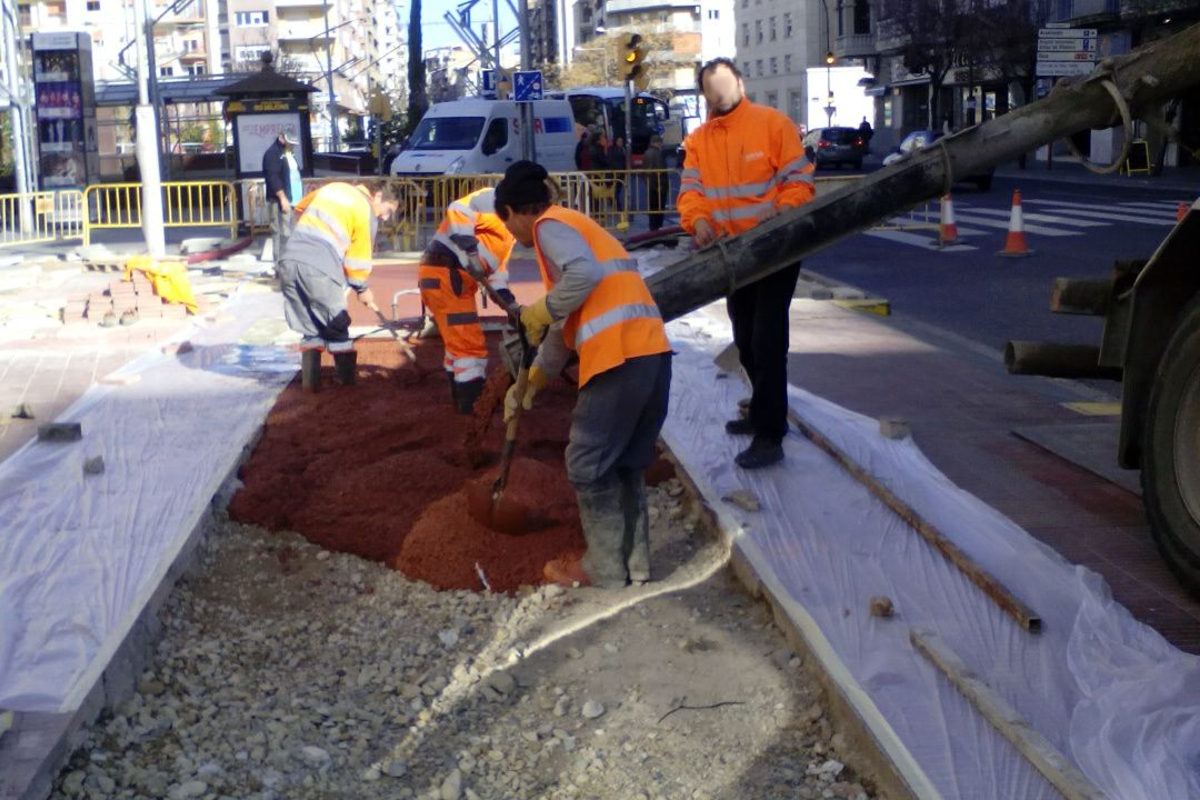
point(338, 216)
point(475, 216)
point(741, 165)
point(619, 320)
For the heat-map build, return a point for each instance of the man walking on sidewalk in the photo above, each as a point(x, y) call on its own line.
point(743, 166)
point(282, 176)
point(328, 254)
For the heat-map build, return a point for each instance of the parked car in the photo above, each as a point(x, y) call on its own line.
point(835, 146)
point(919, 139)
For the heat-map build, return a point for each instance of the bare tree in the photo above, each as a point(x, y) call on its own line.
point(934, 37)
point(598, 63)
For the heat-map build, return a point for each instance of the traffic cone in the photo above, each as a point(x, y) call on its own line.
point(949, 230)
point(1015, 244)
point(1181, 212)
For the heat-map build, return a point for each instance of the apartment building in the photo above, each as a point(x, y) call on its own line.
point(778, 41)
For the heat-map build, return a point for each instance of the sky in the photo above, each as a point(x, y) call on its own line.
point(436, 32)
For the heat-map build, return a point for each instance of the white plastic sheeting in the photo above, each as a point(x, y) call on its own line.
point(81, 555)
point(1106, 690)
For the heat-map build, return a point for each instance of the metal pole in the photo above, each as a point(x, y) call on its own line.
point(527, 64)
point(496, 31)
point(16, 109)
point(147, 142)
point(628, 144)
point(331, 105)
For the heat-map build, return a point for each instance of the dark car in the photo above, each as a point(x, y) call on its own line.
point(835, 146)
point(920, 139)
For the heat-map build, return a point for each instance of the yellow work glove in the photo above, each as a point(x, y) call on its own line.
point(534, 383)
point(535, 319)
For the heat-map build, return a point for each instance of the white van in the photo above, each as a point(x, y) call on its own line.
point(474, 137)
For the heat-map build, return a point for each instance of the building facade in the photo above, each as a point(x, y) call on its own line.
point(777, 42)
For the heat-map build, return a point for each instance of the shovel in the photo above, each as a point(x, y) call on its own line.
point(486, 503)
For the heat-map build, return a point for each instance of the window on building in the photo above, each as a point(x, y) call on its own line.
point(774, 66)
point(252, 19)
point(758, 68)
point(714, 13)
point(190, 45)
point(787, 64)
point(93, 5)
point(758, 34)
point(166, 72)
point(772, 28)
point(251, 53)
point(787, 26)
point(195, 69)
point(746, 68)
point(862, 16)
point(746, 34)
point(772, 99)
point(795, 101)
point(840, 19)
point(56, 12)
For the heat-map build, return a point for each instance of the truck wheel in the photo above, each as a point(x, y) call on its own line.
point(1171, 451)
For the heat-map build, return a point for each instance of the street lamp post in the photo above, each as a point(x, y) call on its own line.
point(331, 102)
point(829, 106)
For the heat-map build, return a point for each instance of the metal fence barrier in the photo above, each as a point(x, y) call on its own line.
point(32, 217)
point(185, 204)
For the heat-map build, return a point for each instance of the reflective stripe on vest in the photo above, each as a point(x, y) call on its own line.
point(614, 316)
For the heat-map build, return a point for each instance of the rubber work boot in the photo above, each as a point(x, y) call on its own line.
point(566, 572)
point(603, 521)
point(467, 393)
point(761, 453)
point(636, 546)
point(453, 389)
point(739, 427)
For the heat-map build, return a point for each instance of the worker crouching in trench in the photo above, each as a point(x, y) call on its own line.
point(469, 230)
point(598, 305)
point(328, 254)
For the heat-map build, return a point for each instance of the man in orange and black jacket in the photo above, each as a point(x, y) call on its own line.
point(744, 166)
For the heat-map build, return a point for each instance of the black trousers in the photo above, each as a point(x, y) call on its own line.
point(760, 330)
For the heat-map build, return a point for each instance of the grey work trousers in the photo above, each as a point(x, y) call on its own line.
point(314, 305)
point(281, 228)
point(614, 431)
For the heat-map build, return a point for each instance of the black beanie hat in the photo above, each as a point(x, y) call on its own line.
point(524, 184)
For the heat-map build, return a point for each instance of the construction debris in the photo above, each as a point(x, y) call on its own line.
point(60, 432)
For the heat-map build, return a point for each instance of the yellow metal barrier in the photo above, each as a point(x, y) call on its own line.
point(185, 204)
point(40, 217)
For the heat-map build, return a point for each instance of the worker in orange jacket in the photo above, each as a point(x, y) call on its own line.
point(470, 232)
point(744, 166)
point(327, 255)
point(596, 304)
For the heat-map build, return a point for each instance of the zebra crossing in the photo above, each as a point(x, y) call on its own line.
point(1051, 219)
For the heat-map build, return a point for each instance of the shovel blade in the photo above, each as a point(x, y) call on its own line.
point(494, 510)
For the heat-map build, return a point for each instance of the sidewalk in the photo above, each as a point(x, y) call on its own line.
point(1174, 179)
point(964, 409)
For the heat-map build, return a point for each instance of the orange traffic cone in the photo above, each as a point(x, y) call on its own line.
point(949, 230)
point(1015, 244)
point(1181, 212)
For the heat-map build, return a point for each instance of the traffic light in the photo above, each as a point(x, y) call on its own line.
point(632, 61)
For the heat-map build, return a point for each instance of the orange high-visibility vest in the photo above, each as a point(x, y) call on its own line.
point(475, 215)
point(741, 166)
point(619, 320)
point(339, 216)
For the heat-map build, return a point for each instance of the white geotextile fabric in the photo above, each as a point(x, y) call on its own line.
point(1106, 690)
point(81, 555)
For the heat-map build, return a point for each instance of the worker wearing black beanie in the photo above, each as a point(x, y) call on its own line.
point(596, 304)
point(524, 184)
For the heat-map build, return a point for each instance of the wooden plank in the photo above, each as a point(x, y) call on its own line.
point(1045, 757)
point(990, 586)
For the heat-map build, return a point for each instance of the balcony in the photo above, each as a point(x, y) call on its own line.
point(301, 31)
point(192, 56)
point(856, 45)
point(299, 3)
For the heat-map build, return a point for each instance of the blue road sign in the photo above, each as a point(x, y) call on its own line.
point(527, 86)
point(489, 80)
